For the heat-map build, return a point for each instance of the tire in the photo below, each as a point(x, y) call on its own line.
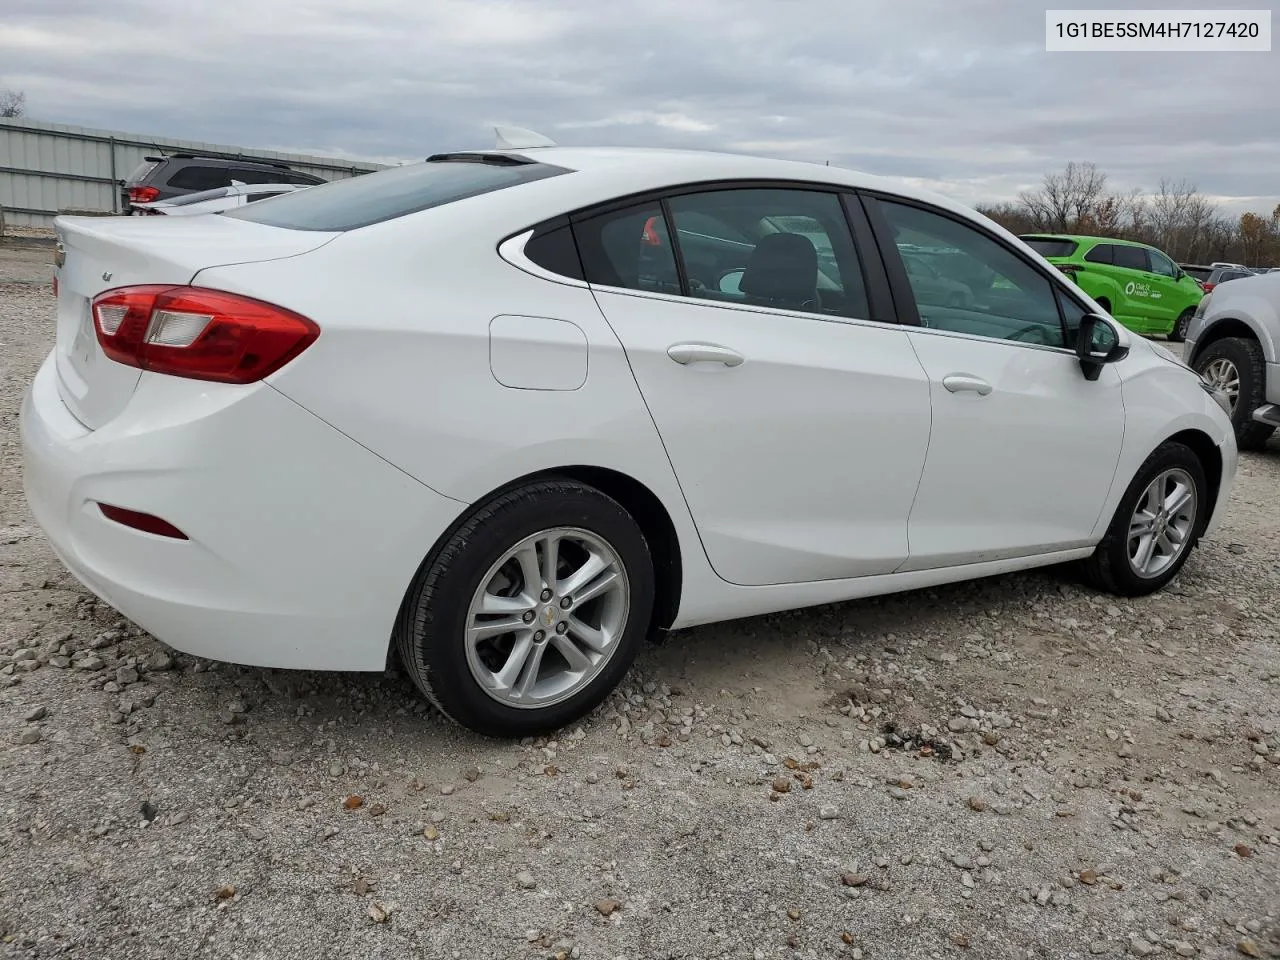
point(1244, 357)
point(1104, 303)
point(432, 635)
point(1179, 332)
point(1111, 568)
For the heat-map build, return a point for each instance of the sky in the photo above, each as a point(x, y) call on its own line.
point(960, 97)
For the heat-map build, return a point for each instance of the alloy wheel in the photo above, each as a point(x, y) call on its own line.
point(1222, 373)
point(547, 617)
point(1162, 523)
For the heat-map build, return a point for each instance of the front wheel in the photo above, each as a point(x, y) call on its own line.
point(531, 612)
point(1179, 332)
point(1158, 521)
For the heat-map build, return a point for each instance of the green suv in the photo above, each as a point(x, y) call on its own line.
point(1135, 283)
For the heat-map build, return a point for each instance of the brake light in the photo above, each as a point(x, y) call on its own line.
point(198, 333)
point(143, 194)
point(649, 237)
point(1207, 287)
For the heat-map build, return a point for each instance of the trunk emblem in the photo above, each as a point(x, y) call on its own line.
point(106, 276)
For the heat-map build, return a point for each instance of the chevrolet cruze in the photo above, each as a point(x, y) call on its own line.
point(503, 412)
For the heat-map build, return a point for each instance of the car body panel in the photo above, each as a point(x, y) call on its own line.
point(982, 497)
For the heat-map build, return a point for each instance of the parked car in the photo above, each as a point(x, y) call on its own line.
point(483, 413)
point(1196, 271)
point(1222, 275)
point(216, 201)
point(1234, 343)
point(163, 178)
point(1138, 285)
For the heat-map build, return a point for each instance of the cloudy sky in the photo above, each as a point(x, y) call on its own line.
point(960, 96)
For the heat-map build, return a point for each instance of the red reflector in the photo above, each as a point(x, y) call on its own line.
point(142, 521)
point(143, 194)
point(55, 286)
point(198, 333)
point(649, 236)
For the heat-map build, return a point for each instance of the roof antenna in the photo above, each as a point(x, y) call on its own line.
point(518, 138)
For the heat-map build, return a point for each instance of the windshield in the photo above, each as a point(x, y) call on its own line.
point(375, 197)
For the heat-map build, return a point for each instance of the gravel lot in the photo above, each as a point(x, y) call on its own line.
point(1080, 776)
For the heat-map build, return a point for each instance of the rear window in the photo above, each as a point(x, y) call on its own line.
point(1051, 246)
point(141, 172)
point(387, 194)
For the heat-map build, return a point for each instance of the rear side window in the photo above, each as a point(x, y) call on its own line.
point(553, 249)
point(360, 201)
point(1102, 253)
point(1131, 258)
point(198, 177)
point(1051, 246)
point(628, 248)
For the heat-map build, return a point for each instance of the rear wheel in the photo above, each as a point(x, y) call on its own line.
point(1158, 521)
point(1104, 303)
point(531, 612)
point(1179, 332)
point(1236, 366)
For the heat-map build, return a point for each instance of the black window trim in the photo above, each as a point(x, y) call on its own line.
point(901, 286)
point(879, 296)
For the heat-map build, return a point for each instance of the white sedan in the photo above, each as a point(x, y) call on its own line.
point(216, 200)
point(502, 413)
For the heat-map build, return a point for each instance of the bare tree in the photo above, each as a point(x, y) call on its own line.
point(1067, 199)
point(13, 103)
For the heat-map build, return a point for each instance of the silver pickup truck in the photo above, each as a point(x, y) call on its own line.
point(1234, 343)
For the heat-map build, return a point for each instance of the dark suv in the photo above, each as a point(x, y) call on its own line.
point(162, 178)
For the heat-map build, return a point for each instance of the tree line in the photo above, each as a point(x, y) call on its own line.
point(1177, 218)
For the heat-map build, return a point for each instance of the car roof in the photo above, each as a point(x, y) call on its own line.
point(636, 169)
point(1084, 238)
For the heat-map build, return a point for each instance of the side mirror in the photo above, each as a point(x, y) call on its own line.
point(1097, 345)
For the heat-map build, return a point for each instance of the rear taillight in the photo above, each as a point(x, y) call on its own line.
point(143, 194)
point(1207, 287)
point(198, 333)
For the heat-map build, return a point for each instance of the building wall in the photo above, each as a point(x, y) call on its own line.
point(46, 168)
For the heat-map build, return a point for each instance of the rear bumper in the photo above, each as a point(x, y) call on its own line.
point(302, 543)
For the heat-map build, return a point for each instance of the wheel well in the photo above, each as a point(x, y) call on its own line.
point(648, 511)
point(1206, 452)
point(1221, 330)
point(1104, 302)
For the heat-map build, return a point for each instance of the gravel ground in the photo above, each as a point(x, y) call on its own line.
point(1010, 768)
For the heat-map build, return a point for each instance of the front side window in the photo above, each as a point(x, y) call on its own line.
point(978, 286)
point(775, 247)
point(1161, 264)
point(1131, 258)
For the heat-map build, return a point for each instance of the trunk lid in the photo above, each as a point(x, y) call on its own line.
point(101, 253)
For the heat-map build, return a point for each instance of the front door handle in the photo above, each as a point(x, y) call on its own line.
point(966, 383)
point(686, 353)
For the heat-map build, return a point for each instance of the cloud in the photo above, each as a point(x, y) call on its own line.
point(961, 97)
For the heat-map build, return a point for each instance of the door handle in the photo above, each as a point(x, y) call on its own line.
point(686, 353)
point(966, 383)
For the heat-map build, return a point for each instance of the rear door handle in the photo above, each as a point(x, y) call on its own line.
point(686, 353)
point(966, 383)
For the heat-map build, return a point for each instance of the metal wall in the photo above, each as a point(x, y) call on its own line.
point(46, 168)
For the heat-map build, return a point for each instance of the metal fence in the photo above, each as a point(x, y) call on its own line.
point(48, 168)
